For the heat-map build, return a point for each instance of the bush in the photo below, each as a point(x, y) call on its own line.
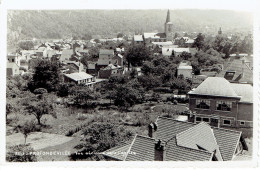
point(163, 90)
point(20, 153)
point(40, 91)
point(77, 128)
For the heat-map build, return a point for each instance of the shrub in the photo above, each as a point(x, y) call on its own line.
point(40, 91)
point(20, 153)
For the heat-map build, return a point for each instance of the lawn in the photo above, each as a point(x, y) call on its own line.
point(37, 140)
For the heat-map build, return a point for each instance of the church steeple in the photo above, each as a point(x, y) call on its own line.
point(168, 19)
point(168, 27)
point(219, 31)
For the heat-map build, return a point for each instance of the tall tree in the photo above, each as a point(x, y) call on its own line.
point(137, 54)
point(199, 41)
point(46, 75)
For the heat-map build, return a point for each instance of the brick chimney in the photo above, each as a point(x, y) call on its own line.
point(159, 151)
point(151, 129)
point(243, 65)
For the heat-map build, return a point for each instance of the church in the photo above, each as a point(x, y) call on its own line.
point(148, 38)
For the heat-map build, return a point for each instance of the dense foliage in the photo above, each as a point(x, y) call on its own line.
point(20, 153)
point(46, 75)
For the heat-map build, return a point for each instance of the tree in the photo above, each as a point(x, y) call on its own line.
point(120, 35)
point(81, 95)
point(136, 55)
point(40, 108)
point(26, 129)
point(199, 41)
point(20, 153)
point(26, 45)
point(126, 97)
point(100, 137)
point(185, 55)
point(46, 75)
point(94, 52)
point(63, 89)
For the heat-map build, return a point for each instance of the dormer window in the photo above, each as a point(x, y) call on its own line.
point(229, 75)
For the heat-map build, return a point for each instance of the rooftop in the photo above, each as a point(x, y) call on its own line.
point(215, 86)
point(78, 76)
point(106, 51)
point(138, 38)
point(183, 141)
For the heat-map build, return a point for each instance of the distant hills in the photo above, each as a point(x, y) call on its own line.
point(46, 24)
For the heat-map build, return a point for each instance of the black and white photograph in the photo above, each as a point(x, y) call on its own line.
point(161, 83)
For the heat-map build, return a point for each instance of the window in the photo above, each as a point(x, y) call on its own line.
point(198, 119)
point(227, 122)
point(202, 104)
point(206, 119)
point(242, 122)
point(224, 105)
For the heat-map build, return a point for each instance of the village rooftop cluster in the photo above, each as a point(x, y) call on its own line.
point(160, 95)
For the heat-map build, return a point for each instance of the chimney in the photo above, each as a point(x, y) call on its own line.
point(159, 151)
point(243, 64)
point(151, 129)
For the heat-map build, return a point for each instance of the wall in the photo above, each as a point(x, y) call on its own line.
point(185, 72)
point(239, 111)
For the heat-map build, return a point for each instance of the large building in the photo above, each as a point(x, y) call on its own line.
point(222, 104)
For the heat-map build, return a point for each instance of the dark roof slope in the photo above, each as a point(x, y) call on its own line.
point(143, 149)
point(238, 67)
point(227, 141)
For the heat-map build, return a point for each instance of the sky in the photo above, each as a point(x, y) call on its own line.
point(241, 5)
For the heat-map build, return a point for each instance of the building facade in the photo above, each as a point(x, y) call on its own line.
point(222, 104)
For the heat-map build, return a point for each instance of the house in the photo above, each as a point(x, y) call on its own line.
point(78, 65)
point(173, 140)
point(110, 70)
point(154, 37)
point(222, 104)
point(14, 58)
point(66, 55)
point(185, 69)
point(240, 70)
point(12, 69)
point(189, 43)
point(41, 52)
point(168, 50)
point(80, 78)
point(107, 57)
point(178, 51)
point(91, 68)
point(138, 39)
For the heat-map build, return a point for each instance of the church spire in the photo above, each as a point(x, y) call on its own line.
point(219, 31)
point(168, 19)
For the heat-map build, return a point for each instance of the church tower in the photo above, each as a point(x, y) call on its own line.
point(168, 27)
point(219, 31)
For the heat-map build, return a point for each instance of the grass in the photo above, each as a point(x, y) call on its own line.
point(71, 122)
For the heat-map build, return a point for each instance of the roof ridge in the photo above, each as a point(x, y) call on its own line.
point(174, 120)
point(195, 125)
point(147, 137)
point(188, 147)
point(226, 129)
point(128, 151)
